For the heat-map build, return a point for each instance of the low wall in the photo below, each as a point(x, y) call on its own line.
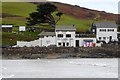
point(28, 44)
point(41, 42)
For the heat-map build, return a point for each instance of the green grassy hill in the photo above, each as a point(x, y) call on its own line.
point(18, 12)
point(21, 10)
point(18, 8)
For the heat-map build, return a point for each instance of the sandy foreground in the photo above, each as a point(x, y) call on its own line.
point(60, 68)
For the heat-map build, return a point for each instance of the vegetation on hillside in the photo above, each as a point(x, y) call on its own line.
point(43, 15)
point(12, 38)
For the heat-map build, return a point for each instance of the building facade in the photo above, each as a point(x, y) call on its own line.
point(105, 31)
point(64, 36)
point(47, 39)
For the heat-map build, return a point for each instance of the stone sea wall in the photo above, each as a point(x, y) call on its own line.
point(107, 51)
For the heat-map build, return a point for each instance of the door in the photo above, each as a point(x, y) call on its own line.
point(63, 44)
point(77, 43)
point(110, 38)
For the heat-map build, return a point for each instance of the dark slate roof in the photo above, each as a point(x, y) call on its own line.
point(65, 28)
point(47, 34)
point(105, 24)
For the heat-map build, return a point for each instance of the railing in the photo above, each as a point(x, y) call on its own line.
point(85, 35)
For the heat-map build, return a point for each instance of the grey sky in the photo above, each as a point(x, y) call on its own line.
point(102, 5)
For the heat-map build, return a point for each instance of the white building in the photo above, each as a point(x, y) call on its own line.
point(7, 28)
point(105, 31)
point(22, 28)
point(64, 36)
point(47, 39)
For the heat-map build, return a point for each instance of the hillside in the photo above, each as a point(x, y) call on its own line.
point(73, 15)
point(16, 14)
point(83, 13)
point(12, 13)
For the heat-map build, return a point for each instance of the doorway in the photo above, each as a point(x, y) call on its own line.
point(77, 43)
point(110, 38)
point(63, 44)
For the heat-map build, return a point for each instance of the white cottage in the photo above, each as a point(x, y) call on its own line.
point(105, 31)
point(47, 39)
point(65, 36)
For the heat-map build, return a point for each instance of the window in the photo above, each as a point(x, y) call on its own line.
point(68, 35)
point(67, 44)
point(102, 30)
point(113, 30)
point(60, 35)
point(110, 30)
point(59, 44)
point(100, 38)
point(104, 38)
point(64, 44)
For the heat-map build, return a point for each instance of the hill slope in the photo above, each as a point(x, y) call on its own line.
point(16, 13)
point(83, 13)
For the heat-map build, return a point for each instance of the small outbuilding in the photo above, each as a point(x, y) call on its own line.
point(7, 28)
point(22, 28)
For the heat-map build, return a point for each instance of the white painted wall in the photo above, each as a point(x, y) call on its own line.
point(47, 41)
point(65, 40)
point(28, 44)
point(41, 42)
point(106, 34)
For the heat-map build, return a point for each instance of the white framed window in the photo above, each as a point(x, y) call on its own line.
point(102, 30)
point(110, 30)
point(100, 38)
point(104, 38)
point(68, 35)
point(67, 44)
point(59, 44)
point(60, 35)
